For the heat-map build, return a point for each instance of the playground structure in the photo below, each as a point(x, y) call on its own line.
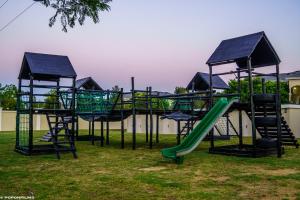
point(85, 99)
point(248, 52)
point(33, 81)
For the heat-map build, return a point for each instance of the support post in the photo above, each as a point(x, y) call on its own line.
point(211, 133)
point(151, 117)
point(240, 111)
point(133, 115)
point(31, 115)
point(77, 127)
point(89, 129)
point(18, 114)
point(122, 119)
point(73, 112)
point(263, 84)
point(252, 106)
point(278, 113)
point(147, 118)
point(178, 132)
point(227, 124)
point(107, 122)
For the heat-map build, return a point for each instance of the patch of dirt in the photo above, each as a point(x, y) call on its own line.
point(152, 169)
point(99, 171)
point(265, 190)
point(200, 176)
point(270, 172)
point(220, 179)
point(280, 172)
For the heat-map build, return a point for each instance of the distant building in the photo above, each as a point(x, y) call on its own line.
point(293, 80)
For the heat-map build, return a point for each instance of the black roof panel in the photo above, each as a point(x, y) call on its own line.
point(256, 46)
point(201, 81)
point(87, 83)
point(46, 66)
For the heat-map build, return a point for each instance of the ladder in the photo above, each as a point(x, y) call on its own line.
point(61, 136)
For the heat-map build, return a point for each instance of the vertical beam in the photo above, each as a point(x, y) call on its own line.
point(133, 115)
point(178, 132)
point(31, 115)
point(192, 106)
point(278, 113)
point(73, 112)
point(263, 88)
point(56, 116)
point(147, 117)
point(77, 126)
point(240, 111)
point(151, 117)
point(227, 124)
point(211, 133)
point(157, 118)
point(18, 114)
point(122, 119)
point(252, 106)
point(107, 122)
point(89, 128)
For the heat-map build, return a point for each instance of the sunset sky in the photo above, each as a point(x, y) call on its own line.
point(163, 43)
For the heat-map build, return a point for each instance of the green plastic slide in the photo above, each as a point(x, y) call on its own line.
point(199, 132)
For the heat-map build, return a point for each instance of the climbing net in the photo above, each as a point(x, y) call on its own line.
point(23, 121)
point(95, 102)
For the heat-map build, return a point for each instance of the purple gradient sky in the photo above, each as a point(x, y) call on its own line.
point(161, 43)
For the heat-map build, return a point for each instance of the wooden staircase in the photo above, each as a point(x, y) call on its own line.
point(266, 120)
point(61, 136)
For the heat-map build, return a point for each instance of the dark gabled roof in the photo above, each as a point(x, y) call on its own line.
point(87, 83)
point(46, 67)
point(201, 81)
point(257, 46)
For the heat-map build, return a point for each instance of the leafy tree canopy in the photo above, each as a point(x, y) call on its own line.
point(8, 97)
point(257, 88)
point(180, 90)
point(71, 11)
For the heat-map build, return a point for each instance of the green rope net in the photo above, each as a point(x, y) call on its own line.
point(23, 121)
point(95, 102)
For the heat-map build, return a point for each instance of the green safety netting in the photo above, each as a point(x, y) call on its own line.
point(95, 102)
point(23, 121)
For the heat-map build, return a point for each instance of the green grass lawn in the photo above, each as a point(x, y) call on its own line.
point(112, 173)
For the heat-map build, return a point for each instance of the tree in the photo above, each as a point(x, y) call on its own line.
point(257, 89)
point(8, 97)
point(180, 90)
point(116, 88)
point(51, 100)
point(70, 11)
